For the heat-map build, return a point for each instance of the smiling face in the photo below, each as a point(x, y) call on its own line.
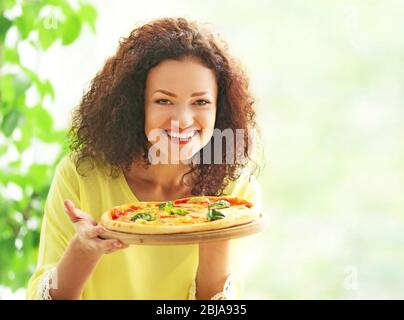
point(180, 107)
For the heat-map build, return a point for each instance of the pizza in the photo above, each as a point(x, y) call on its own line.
point(184, 215)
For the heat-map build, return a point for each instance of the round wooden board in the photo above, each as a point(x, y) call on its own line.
point(189, 238)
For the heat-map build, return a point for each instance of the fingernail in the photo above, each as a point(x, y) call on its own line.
point(101, 230)
point(117, 244)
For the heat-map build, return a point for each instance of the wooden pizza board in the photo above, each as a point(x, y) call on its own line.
point(238, 231)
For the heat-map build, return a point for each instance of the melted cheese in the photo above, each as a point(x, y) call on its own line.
point(198, 214)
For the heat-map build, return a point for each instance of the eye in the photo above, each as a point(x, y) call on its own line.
point(200, 102)
point(204, 102)
point(164, 101)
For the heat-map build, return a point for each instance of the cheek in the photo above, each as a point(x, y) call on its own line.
point(207, 122)
point(153, 119)
point(207, 118)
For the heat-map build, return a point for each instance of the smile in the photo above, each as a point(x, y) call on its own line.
point(181, 138)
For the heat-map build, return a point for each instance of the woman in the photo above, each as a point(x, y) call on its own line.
point(172, 79)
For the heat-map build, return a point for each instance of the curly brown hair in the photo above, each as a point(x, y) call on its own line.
point(108, 125)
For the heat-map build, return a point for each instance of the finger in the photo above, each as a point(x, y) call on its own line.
point(69, 209)
point(116, 249)
point(111, 245)
point(124, 245)
point(76, 214)
point(92, 232)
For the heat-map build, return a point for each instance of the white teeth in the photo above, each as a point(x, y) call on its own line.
point(179, 135)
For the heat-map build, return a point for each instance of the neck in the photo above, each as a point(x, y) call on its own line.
point(165, 176)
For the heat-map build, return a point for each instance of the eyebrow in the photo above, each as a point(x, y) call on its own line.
point(195, 94)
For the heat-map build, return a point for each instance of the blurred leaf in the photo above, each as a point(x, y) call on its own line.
point(5, 24)
point(27, 131)
point(7, 4)
point(21, 84)
point(10, 122)
point(71, 29)
point(26, 23)
point(43, 121)
point(46, 36)
point(11, 55)
point(32, 75)
point(3, 150)
point(46, 88)
point(13, 175)
point(33, 123)
point(89, 15)
point(23, 25)
point(7, 89)
point(40, 175)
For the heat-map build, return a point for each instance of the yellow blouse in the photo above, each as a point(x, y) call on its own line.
point(138, 272)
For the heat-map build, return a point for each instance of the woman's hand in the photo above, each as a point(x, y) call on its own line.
point(82, 255)
point(87, 232)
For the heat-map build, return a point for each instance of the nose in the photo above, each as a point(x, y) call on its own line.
point(182, 118)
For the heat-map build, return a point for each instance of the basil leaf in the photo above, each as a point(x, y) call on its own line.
point(214, 214)
point(142, 215)
point(221, 203)
point(169, 208)
point(179, 211)
point(166, 205)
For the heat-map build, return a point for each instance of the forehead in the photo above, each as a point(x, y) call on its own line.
point(181, 77)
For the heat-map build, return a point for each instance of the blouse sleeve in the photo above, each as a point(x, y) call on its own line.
point(56, 230)
point(248, 188)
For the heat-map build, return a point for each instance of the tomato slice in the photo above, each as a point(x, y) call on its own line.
point(131, 209)
point(204, 203)
point(179, 201)
point(116, 213)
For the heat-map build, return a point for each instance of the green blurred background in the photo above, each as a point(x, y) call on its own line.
point(328, 80)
